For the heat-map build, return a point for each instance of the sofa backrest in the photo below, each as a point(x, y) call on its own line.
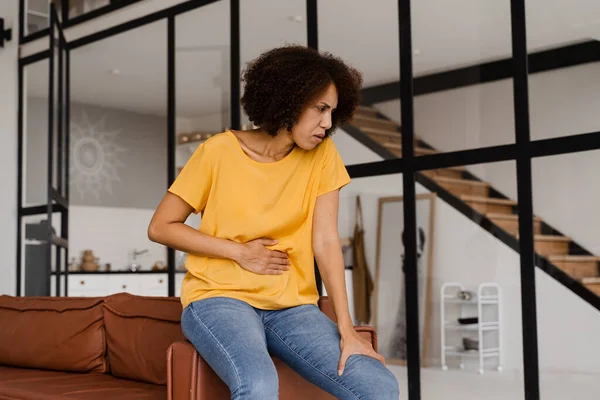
point(64, 334)
point(139, 331)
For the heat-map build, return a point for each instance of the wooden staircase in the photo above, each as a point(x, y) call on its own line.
point(478, 195)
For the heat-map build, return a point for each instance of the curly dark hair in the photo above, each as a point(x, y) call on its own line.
point(281, 82)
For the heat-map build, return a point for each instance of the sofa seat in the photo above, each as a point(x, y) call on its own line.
point(31, 384)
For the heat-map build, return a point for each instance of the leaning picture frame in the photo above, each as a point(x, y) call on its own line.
point(389, 311)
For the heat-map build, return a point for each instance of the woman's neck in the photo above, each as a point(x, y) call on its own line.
point(260, 143)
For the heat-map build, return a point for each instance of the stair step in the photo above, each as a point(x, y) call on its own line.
point(386, 139)
point(488, 200)
point(391, 133)
point(397, 149)
point(510, 223)
point(552, 238)
point(486, 205)
point(367, 111)
point(460, 187)
point(575, 259)
point(547, 245)
point(377, 123)
point(453, 172)
point(579, 267)
point(511, 217)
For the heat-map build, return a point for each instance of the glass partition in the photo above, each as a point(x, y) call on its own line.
point(118, 148)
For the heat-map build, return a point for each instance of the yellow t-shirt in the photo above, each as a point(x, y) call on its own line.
point(241, 200)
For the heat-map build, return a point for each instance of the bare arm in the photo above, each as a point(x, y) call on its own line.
point(328, 252)
point(168, 227)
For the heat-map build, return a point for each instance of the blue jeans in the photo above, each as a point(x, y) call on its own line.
point(237, 341)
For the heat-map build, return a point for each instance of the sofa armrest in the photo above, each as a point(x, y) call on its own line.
point(326, 307)
point(368, 333)
point(189, 377)
point(186, 370)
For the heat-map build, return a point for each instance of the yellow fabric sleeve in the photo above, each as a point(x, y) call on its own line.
point(334, 174)
point(195, 180)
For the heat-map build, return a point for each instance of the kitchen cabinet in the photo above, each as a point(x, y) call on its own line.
point(104, 284)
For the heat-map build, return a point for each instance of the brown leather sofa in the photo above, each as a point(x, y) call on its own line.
point(115, 347)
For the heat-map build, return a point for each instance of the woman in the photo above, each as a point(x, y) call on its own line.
point(269, 204)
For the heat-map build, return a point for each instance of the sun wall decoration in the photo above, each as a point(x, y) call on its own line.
point(95, 158)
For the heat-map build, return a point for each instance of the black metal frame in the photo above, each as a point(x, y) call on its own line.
point(413, 353)
point(541, 61)
point(5, 34)
point(57, 198)
point(68, 21)
point(172, 107)
point(525, 199)
point(522, 151)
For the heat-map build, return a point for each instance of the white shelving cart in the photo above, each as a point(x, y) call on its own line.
point(488, 295)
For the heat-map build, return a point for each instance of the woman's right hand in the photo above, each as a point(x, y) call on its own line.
point(255, 257)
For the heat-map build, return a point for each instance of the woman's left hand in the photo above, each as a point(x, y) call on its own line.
point(353, 343)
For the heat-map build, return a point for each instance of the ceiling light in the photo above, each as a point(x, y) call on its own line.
point(296, 18)
point(115, 72)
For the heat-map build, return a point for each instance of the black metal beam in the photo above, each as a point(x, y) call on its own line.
point(312, 24)
point(19, 173)
point(542, 61)
point(65, 213)
point(466, 157)
point(59, 133)
point(312, 41)
point(524, 190)
point(42, 55)
point(538, 148)
point(377, 168)
point(38, 210)
point(171, 113)
point(236, 115)
point(49, 187)
point(409, 193)
point(5, 34)
point(565, 144)
point(21, 21)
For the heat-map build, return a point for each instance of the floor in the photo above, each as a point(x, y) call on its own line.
point(468, 385)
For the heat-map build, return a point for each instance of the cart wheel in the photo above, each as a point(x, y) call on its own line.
point(444, 367)
point(499, 368)
point(480, 371)
point(462, 366)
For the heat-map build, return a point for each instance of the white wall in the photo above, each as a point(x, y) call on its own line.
point(101, 229)
point(466, 253)
point(9, 10)
point(562, 102)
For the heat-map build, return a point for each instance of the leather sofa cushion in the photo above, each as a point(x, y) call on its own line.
point(31, 384)
point(65, 334)
point(139, 331)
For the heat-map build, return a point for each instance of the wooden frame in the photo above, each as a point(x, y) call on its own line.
point(424, 297)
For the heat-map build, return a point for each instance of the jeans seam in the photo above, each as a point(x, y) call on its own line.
point(237, 375)
point(311, 365)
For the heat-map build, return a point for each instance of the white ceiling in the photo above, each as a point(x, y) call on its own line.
point(446, 35)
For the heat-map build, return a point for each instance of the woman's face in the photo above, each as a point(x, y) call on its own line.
point(315, 119)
